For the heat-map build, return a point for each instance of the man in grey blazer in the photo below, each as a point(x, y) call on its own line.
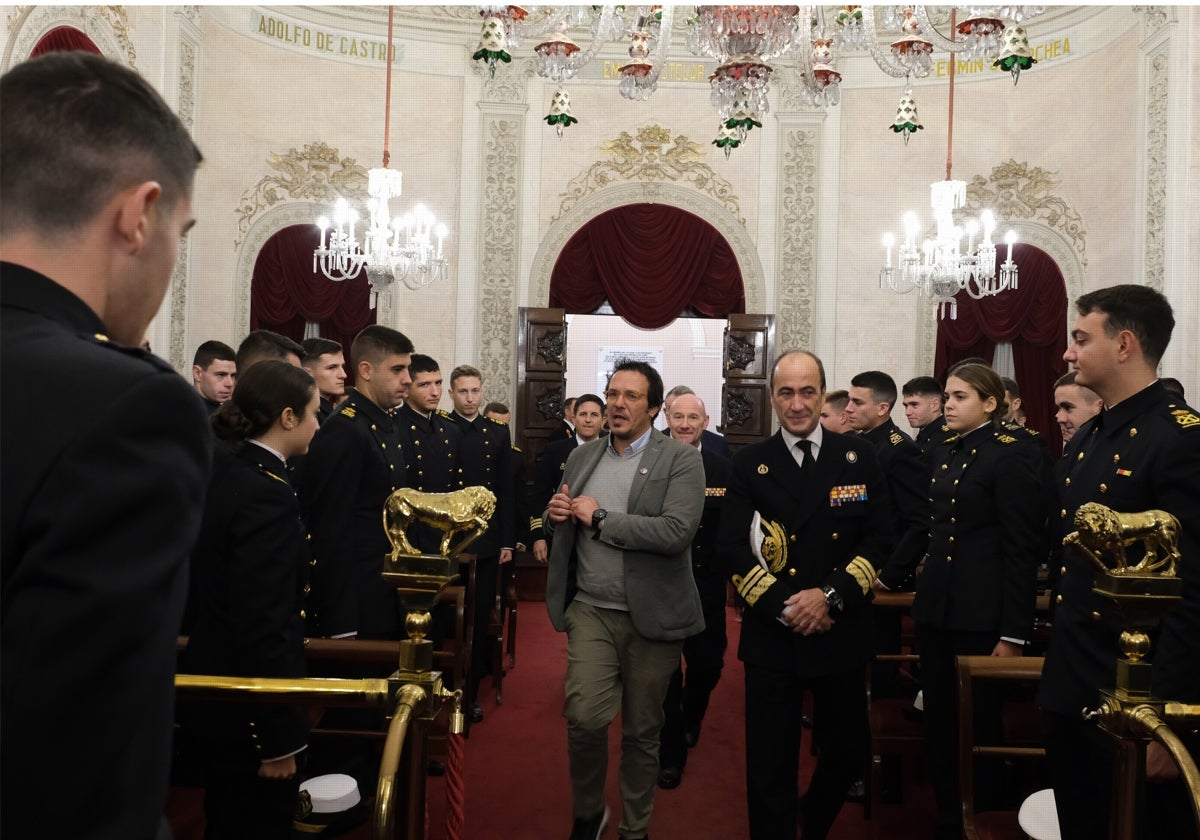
point(620, 585)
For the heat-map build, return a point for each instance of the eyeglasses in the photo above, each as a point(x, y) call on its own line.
point(630, 396)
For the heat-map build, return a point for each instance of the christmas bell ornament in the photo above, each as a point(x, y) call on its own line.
point(1016, 55)
point(560, 115)
point(906, 116)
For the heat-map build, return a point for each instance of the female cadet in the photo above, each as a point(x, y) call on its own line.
point(976, 592)
point(249, 571)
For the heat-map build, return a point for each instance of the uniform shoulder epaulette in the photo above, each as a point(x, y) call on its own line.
point(945, 427)
point(348, 411)
point(1185, 417)
point(896, 438)
point(270, 474)
point(1032, 432)
point(497, 422)
point(1006, 439)
point(445, 414)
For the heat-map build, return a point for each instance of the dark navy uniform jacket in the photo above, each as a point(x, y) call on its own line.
point(907, 472)
point(985, 542)
point(249, 579)
point(354, 463)
point(832, 528)
point(1142, 454)
point(485, 453)
point(106, 453)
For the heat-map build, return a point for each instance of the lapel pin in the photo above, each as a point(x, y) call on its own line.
point(851, 457)
point(762, 469)
point(643, 471)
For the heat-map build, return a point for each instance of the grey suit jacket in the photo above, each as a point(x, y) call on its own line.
point(666, 502)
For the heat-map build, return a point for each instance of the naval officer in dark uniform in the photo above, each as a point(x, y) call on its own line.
point(589, 422)
point(249, 583)
point(485, 452)
point(704, 653)
point(1142, 452)
point(819, 506)
point(976, 592)
point(923, 410)
point(105, 468)
point(353, 465)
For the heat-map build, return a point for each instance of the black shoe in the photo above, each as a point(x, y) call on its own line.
point(857, 791)
point(476, 713)
point(692, 737)
point(670, 777)
point(433, 767)
point(591, 828)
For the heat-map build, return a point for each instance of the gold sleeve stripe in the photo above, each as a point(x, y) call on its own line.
point(863, 572)
point(758, 581)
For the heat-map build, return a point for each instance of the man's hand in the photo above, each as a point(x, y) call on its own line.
point(1160, 767)
point(280, 768)
point(505, 556)
point(582, 508)
point(807, 613)
point(559, 509)
point(1004, 648)
point(541, 551)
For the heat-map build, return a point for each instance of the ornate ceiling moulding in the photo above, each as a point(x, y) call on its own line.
point(652, 156)
point(107, 26)
point(1020, 191)
point(316, 173)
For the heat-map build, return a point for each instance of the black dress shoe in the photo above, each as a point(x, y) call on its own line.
point(476, 713)
point(670, 777)
point(691, 737)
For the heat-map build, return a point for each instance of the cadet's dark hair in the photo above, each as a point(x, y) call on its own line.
point(1139, 309)
point(986, 383)
point(881, 386)
point(837, 400)
point(970, 360)
point(465, 370)
point(374, 343)
point(496, 408)
point(77, 130)
point(924, 386)
point(213, 351)
point(316, 347)
point(592, 398)
point(654, 392)
point(1011, 387)
point(423, 364)
point(262, 345)
point(813, 356)
point(1067, 378)
point(260, 396)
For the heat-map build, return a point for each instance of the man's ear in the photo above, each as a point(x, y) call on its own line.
point(134, 208)
point(196, 372)
point(364, 370)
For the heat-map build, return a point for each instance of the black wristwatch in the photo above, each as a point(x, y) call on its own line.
point(598, 516)
point(833, 600)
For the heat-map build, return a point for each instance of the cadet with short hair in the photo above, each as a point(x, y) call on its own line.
point(214, 370)
point(99, 507)
point(323, 358)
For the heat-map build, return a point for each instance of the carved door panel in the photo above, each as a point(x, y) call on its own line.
point(541, 379)
point(748, 356)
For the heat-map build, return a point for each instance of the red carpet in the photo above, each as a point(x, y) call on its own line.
point(517, 786)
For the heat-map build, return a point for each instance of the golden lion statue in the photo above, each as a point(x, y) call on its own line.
point(465, 511)
point(1099, 528)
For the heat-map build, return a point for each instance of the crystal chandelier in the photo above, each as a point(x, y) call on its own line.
point(746, 41)
point(939, 268)
point(406, 249)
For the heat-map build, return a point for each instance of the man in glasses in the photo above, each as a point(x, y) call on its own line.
point(620, 584)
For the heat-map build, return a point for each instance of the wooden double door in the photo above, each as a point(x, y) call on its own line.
point(747, 357)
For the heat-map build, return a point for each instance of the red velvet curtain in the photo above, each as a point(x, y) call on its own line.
point(1033, 317)
point(285, 292)
point(64, 39)
point(651, 262)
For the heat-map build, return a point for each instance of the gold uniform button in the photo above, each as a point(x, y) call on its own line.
point(1063, 513)
point(972, 452)
point(308, 537)
point(303, 614)
point(312, 562)
point(307, 588)
point(791, 572)
point(834, 535)
point(1063, 570)
point(953, 520)
point(1095, 616)
point(373, 427)
point(956, 482)
point(1116, 459)
point(792, 538)
point(1133, 432)
point(944, 466)
point(952, 539)
point(1080, 458)
point(1058, 599)
point(949, 559)
point(1103, 488)
point(933, 481)
point(1068, 482)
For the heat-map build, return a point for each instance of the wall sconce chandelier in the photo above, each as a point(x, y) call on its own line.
point(744, 40)
point(939, 268)
point(405, 249)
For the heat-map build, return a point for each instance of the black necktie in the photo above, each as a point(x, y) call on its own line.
point(806, 463)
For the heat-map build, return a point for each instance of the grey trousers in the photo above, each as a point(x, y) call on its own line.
point(611, 668)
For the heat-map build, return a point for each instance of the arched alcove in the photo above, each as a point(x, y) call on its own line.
point(725, 222)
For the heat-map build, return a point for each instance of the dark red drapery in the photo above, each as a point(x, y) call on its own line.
point(1033, 317)
point(651, 262)
point(64, 39)
point(285, 292)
